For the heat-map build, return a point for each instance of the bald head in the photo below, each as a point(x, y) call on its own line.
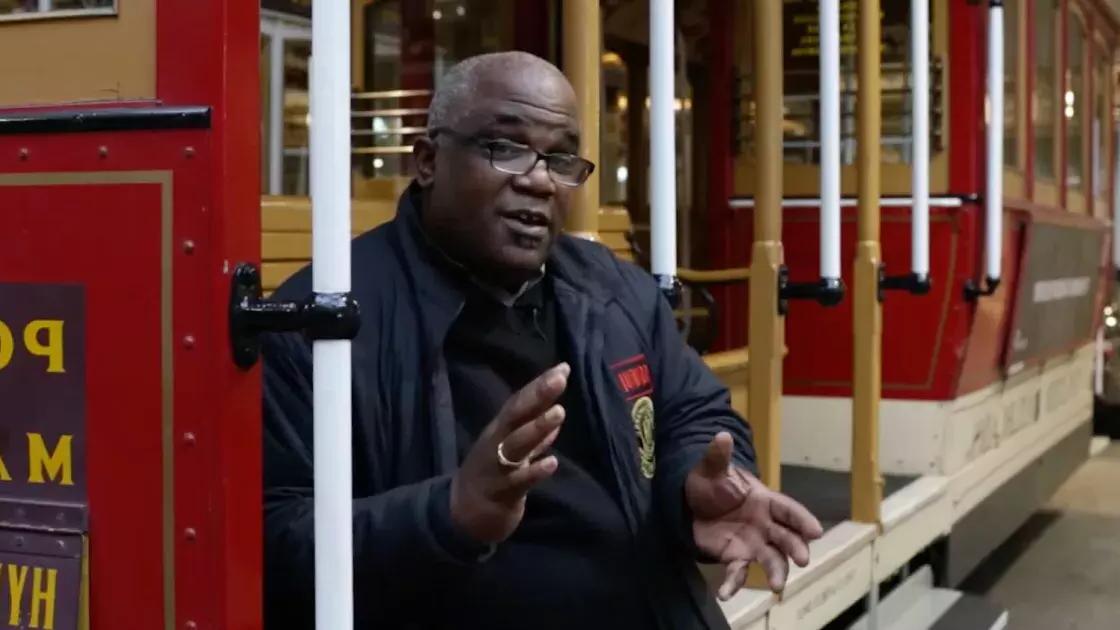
point(481, 206)
point(460, 87)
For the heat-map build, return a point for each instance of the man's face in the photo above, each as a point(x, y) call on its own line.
point(501, 224)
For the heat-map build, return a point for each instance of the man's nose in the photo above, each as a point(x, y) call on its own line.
point(537, 181)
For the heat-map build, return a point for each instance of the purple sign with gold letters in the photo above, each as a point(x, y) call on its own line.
point(40, 580)
point(42, 454)
point(42, 395)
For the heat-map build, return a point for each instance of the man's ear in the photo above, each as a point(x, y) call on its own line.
point(424, 157)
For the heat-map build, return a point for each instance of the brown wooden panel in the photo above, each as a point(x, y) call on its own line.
point(732, 368)
point(283, 218)
point(273, 274)
point(286, 246)
point(615, 241)
point(293, 214)
point(613, 219)
point(286, 232)
point(80, 59)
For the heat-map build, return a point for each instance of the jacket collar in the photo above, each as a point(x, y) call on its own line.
point(435, 288)
point(437, 279)
point(573, 270)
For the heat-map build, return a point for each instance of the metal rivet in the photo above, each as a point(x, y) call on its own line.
point(21, 513)
point(103, 150)
point(61, 544)
point(188, 246)
point(189, 152)
point(188, 438)
point(190, 625)
point(188, 341)
point(19, 541)
point(190, 534)
point(24, 153)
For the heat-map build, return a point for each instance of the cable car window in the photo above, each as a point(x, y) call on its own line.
point(296, 136)
point(1045, 114)
point(801, 82)
point(285, 59)
point(1073, 104)
point(613, 144)
point(266, 108)
point(407, 46)
point(1011, 45)
point(1101, 86)
point(30, 9)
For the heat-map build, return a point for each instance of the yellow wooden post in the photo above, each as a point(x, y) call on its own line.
point(766, 333)
point(583, 37)
point(867, 316)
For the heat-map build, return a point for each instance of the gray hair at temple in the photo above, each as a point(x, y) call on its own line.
point(459, 84)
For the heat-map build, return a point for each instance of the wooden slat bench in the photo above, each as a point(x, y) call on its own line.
point(286, 232)
point(286, 248)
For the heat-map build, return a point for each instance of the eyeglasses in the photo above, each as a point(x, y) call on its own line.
point(565, 169)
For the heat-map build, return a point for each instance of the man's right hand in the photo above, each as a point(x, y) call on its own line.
point(487, 496)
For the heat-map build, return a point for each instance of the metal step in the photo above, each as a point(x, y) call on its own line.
point(917, 605)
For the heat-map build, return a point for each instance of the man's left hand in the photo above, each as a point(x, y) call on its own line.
point(737, 520)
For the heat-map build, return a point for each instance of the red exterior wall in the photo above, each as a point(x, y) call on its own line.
point(108, 237)
point(923, 336)
point(207, 54)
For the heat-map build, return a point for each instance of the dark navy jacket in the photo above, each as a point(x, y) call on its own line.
point(404, 437)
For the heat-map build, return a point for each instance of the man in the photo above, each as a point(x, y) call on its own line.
point(534, 445)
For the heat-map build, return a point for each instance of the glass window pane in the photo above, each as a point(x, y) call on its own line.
point(296, 140)
point(1011, 83)
point(1073, 105)
point(26, 7)
point(266, 105)
point(70, 5)
point(613, 144)
point(801, 81)
point(1045, 114)
point(1101, 87)
point(408, 46)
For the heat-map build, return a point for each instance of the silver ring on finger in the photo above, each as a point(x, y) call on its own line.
point(506, 462)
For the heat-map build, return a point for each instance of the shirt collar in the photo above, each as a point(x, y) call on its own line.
point(502, 295)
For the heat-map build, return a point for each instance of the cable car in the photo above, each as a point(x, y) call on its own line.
point(896, 261)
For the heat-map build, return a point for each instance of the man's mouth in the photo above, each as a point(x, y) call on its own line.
point(528, 224)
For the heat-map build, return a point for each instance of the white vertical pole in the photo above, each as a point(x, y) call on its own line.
point(919, 55)
point(44, 6)
point(662, 144)
point(330, 193)
point(276, 113)
point(993, 197)
point(830, 137)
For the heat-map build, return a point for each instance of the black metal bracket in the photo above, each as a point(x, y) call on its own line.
point(825, 291)
point(320, 316)
point(972, 292)
point(912, 283)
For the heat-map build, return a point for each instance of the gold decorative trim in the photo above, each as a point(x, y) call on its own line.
point(164, 179)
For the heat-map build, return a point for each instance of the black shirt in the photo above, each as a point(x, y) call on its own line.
point(571, 562)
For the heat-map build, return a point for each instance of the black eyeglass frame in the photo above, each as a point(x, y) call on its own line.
point(487, 145)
